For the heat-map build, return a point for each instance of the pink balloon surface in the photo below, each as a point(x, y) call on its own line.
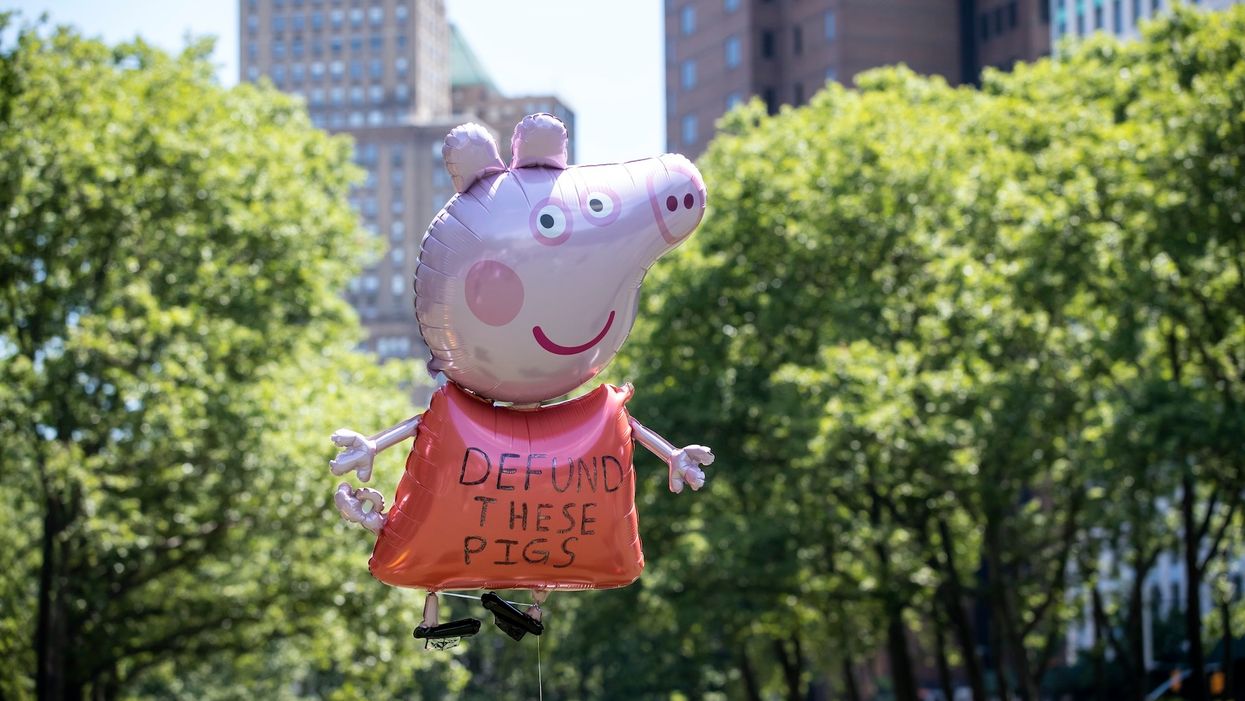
point(528, 279)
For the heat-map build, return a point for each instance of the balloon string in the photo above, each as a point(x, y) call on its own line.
point(540, 680)
point(476, 598)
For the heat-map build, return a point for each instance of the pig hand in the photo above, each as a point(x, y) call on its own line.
point(685, 467)
point(351, 504)
point(358, 452)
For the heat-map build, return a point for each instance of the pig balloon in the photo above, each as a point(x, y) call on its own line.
point(527, 285)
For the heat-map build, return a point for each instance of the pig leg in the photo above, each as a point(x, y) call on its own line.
point(511, 620)
point(442, 636)
point(684, 462)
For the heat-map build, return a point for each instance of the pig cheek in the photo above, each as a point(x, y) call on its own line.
point(494, 292)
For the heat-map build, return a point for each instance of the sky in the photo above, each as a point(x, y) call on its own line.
point(603, 58)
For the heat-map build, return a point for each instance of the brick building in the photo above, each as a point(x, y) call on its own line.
point(719, 52)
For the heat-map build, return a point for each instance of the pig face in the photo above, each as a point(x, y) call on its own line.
point(528, 280)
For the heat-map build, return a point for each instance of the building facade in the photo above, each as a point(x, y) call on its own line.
point(383, 72)
point(1119, 17)
point(721, 52)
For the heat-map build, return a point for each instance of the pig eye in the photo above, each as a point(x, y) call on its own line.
point(550, 222)
point(600, 207)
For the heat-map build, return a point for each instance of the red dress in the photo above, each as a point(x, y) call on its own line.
point(503, 498)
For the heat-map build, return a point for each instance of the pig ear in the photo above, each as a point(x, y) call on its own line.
point(539, 140)
point(470, 153)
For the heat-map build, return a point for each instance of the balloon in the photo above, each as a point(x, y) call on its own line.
point(528, 280)
point(527, 285)
point(502, 498)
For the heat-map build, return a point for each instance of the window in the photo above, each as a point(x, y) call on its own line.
point(356, 70)
point(337, 96)
point(797, 40)
point(797, 93)
point(376, 69)
point(689, 129)
point(1044, 12)
point(317, 69)
point(1080, 22)
point(1117, 16)
point(278, 23)
point(397, 206)
point(317, 21)
point(397, 231)
point(1098, 22)
point(400, 65)
point(375, 118)
point(832, 74)
point(356, 44)
point(356, 95)
point(1155, 6)
point(356, 119)
point(356, 17)
point(687, 20)
point(377, 15)
point(376, 93)
point(335, 68)
point(317, 96)
point(771, 101)
point(252, 23)
point(297, 72)
point(398, 255)
point(984, 21)
point(399, 13)
point(688, 73)
point(252, 51)
point(733, 99)
point(998, 20)
point(730, 5)
point(252, 73)
point(278, 50)
point(1013, 14)
point(830, 26)
point(335, 45)
point(296, 48)
point(397, 176)
point(401, 93)
point(297, 23)
point(1136, 12)
point(336, 17)
point(767, 44)
point(376, 42)
point(734, 53)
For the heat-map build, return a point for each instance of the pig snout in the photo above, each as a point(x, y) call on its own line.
point(676, 194)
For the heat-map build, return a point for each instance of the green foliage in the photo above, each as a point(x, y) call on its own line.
point(175, 352)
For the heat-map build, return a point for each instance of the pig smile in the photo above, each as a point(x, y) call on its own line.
point(558, 349)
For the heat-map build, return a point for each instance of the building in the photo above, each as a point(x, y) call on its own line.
point(1119, 17)
point(473, 91)
point(721, 52)
point(383, 71)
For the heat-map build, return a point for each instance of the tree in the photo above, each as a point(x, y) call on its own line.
point(174, 352)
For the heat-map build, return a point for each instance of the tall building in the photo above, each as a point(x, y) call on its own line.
point(473, 91)
point(1118, 17)
point(720, 52)
point(383, 71)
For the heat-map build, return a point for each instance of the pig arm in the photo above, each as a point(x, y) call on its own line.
point(684, 462)
point(358, 450)
point(358, 453)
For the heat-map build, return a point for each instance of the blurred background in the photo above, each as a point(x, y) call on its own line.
point(964, 325)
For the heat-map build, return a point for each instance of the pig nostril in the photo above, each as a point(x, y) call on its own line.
point(672, 203)
point(688, 200)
